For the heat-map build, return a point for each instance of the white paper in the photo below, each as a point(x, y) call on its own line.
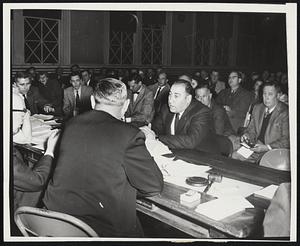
point(221, 208)
point(43, 116)
point(157, 148)
point(245, 152)
point(267, 192)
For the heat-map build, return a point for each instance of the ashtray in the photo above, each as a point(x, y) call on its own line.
point(196, 181)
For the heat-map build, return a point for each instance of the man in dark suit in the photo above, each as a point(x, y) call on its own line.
point(220, 118)
point(87, 78)
point(52, 91)
point(34, 101)
point(77, 98)
point(235, 100)
point(269, 125)
point(140, 111)
point(186, 123)
point(103, 163)
point(160, 91)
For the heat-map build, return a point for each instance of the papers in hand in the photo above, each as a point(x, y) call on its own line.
point(43, 116)
point(221, 208)
point(245, 152)
point(266, 193)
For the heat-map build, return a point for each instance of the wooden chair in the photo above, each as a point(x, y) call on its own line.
point(277, 159)
point(44, 223)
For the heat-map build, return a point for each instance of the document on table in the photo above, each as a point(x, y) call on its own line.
point(221, 208)
point(266, 193)
point(245, 152)
point(157, 148)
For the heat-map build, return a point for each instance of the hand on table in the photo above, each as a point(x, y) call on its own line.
point(260, 147)
point(149, 134)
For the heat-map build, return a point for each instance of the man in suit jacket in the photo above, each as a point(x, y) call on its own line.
point(269, 125)
point(220, 118)
point(103, 163)
point(33, 100)
point(215, 85)
point(160, 91)
point(236, 100)
point(77, 98)
point(52, 91)
point(186, 123)
point(140, 111)
point(87, 78)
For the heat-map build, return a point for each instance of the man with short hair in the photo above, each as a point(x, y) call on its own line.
point(215, 85)
point(77, 98)
point(186, 123)
point(75, 68)
point(140, 111)
point(235, 100)
point(87, 78)
point(33, 76)
point(51, 90)
point(269, 125)
point(220, 118)
point(160, 91)
point(34, 101)
point(103, 164)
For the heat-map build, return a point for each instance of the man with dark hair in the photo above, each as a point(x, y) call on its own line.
point(33, 75)
point(63, 80)
point(186, 123)
point(87, 78)
point(160, 91)
point(77, 98)
point(103, 164)
point(235, 100)
point(34, 101)
point(75, 68)
point(140, 111)
point(215, 85)
point(269, 125)
point(51, 90)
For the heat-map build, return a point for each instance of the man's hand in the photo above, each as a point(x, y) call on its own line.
point(48, 109)
point(259, 147)
point(149, 134)
point(245, 138)
point(227, 108)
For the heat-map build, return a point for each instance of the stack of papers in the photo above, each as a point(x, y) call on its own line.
point(43, 116)
point(221, 208)
point(157, 148)
point(266, 193)
point(40, 131)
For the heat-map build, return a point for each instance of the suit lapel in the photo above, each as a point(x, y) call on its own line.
point(183, 117)
point(139, 97)
point(260, 118)
point(274, 116)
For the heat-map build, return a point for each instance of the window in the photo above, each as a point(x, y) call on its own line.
point(41, 40)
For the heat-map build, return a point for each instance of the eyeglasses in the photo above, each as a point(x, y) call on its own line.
point(24, 110)
point(232, 77)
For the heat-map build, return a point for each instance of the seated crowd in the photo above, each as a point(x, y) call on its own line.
point(198, 112)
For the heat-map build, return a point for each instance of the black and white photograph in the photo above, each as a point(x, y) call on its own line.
point(149, 122)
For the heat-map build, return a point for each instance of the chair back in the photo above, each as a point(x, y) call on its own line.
point(277, 159)
point(45, 223)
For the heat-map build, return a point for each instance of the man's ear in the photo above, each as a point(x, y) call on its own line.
point(189, 97)
point(125, 107)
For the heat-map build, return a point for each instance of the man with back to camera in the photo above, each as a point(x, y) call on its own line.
point(269, 125)
point(103, 163)
point(185, 123)
point(77, 98)
point(33, 100)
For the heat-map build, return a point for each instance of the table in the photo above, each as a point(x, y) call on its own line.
point(167, 208)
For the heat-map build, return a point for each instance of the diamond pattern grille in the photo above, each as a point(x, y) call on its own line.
point(41, 40)
point(121, 47)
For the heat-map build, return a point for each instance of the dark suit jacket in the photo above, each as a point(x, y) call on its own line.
point(52, 91)
point(239, 104)
point(277, 132)
point(142, 110)
point(69, 100)
point(102, 163)
point(29, 183)
point(194, 131)
point(221, 121)
point(36, 101)
point(162, 97)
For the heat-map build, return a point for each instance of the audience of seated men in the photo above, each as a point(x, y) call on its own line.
point(140, 111)
point(235, 100)
point(184, 123)
point(215, 85)
point(269, 125)
point(221, 121)
point(34, 101)
point(160, 91)
point(101, 169)
point(52, 91)
point(87, 78)
point(77, 98)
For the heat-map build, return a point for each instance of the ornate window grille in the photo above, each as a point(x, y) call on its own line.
point(41, 40)
point(121, 47)
point(152, 44)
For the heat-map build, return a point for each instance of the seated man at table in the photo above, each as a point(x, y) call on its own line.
point(140, 111)
point(34, 101)
point(103, 163)
point(52, 91)
point(77, 98)
point(269, 125)
point(185, 123)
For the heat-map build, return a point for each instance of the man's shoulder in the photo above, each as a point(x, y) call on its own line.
point(198, 108)
point(87, 88)
point(148, 92)
point(153, 86)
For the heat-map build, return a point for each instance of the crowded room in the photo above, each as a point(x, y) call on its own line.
point(146, 124)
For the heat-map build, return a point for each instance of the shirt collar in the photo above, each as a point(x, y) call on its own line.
point(270, 110)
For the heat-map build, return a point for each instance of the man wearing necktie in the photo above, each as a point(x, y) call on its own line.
point(77, 98)
point(269, 125)
point(184, 123)
point(140, 110)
